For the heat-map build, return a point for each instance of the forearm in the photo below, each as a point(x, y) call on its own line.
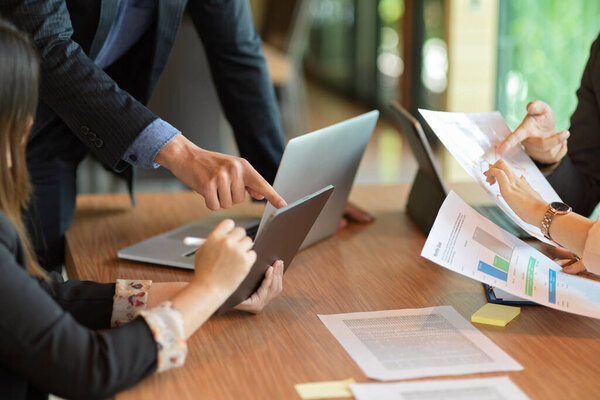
point(163, 291)
point(571, 231)
point(196, 303)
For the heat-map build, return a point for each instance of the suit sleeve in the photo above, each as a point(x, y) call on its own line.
point(577, 178)
point(90, 103)
point(89, 303)
point(43, 343)
point(237, 63)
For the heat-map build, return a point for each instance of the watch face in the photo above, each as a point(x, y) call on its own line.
point(560, 207)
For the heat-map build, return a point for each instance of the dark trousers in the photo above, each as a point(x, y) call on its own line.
point(52, 159)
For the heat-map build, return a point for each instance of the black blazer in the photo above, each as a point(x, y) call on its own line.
point(105, 109)
point(54, 336)
point(577, 178)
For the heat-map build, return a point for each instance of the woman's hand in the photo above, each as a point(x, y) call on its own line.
point(225, 258)
point(517, 193)
point(569, 261)
point(270, 288)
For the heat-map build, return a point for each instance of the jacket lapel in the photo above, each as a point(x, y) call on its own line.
point(108, 11)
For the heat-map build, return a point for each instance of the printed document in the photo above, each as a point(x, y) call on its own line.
point(465, 242)
point(472, 138)
point(501, 388)
point(414, 343)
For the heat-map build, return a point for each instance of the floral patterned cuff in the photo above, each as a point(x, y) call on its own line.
point(131, 297)
point(166, 324)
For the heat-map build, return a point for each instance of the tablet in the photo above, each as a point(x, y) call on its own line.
point(280, 239)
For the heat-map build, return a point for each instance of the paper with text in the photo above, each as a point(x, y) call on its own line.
point(471, 139)
point(414, 343)
point(501, 388)
point(465, 242)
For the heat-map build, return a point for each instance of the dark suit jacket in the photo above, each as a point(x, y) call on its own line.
point(105, 109)
point(51, 337)
point(577, 178)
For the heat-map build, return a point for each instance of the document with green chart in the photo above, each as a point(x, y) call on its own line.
point(465, 242)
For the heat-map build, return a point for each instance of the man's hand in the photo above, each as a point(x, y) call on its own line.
point(352, 213)
point(221, 179)
point(270, 288)
point(537, 134)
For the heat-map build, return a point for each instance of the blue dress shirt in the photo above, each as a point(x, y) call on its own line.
point(133, 18)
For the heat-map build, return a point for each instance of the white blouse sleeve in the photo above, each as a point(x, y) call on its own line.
point(591, 251)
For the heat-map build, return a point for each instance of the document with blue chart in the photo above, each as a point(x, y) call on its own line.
point(465, 242)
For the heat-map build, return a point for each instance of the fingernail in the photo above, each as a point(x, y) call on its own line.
point(565, 135)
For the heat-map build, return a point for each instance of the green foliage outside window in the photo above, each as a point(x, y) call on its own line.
point(543, 47)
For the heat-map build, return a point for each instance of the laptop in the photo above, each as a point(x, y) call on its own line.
point(328, 156)
point(283, 233)
point(429, 190)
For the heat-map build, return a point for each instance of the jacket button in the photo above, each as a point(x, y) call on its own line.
point(133, 157)
point(85, 130)
point(98, 143)
point(91, 136)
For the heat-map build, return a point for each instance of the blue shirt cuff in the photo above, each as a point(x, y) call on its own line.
point(150, 141)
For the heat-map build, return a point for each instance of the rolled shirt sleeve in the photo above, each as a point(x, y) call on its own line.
point(143, 150)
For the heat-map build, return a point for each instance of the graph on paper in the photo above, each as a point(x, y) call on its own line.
point(497, 263)
point(465, 242)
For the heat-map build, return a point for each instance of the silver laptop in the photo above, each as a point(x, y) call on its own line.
point(328, 156)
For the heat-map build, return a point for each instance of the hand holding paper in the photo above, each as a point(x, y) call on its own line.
point(517, 193)
point(473, 139)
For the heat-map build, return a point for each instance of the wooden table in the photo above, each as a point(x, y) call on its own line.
point(362, 268)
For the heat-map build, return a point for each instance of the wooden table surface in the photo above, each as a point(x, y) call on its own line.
point(362, 268)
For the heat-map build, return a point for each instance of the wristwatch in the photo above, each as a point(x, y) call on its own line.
point(555, 208)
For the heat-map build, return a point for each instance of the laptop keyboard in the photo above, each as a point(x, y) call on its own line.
point(498, 216)
point(251, 231)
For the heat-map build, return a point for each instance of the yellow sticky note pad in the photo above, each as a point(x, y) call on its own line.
point(325, 390)
point(495, 314)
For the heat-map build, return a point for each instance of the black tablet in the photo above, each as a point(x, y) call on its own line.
point(279, 239)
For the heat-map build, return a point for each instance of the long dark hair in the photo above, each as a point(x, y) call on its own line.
point(19, 81)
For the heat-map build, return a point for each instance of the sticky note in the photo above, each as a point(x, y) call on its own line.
point(325, 390)
point(495, 314)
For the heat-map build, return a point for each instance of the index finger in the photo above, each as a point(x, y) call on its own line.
point(513, 139)
point(503, 165)
point(256, 184)
point(223, 228)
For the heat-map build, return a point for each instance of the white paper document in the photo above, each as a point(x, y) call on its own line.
point(501, 388)
point(414, 343)
point(472, 138)
point(465, 242)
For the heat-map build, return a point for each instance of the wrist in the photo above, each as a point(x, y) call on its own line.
point(538, 213)
point(210, 290)
point(174, 152)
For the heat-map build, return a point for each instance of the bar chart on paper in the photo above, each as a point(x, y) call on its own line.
point(497, 257)
point(466, 242)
